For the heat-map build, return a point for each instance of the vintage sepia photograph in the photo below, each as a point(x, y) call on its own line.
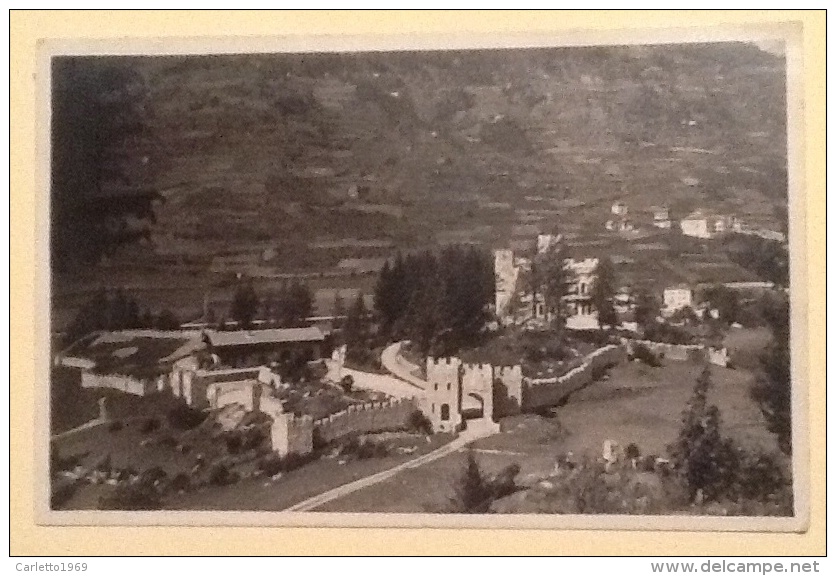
point(533, 285)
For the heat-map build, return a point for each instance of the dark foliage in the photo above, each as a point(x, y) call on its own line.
point(773, 389)
point(116, 310)
point(475, 492)
point(183, 417)
point(149, 425)
point(439, 301)
point(245, 305)
point(272, 464)
point(221, 475)
point(644, 354)
point(603, 291)
point(98, 107)
point(419, 422)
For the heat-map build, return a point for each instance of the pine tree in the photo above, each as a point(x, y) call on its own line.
point(473, 492)
point(356, 330)
point(244, 305)
point(603, 292)
point(647, 309)
point(555, 278)
point(707, 462)
point(773, 390)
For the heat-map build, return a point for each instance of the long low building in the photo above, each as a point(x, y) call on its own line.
point(255, 347)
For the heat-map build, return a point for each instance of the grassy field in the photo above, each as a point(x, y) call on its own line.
point(637, 404)
point(265, 494)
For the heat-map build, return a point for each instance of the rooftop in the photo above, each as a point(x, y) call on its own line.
point(270, 336)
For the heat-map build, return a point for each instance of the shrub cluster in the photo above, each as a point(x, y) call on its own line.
point(183, 417)
point(642, 353)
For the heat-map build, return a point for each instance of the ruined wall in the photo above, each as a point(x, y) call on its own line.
point(290, 433)
point(246, 393)
point(121, 382)
point(542, 393)
point(365, 418)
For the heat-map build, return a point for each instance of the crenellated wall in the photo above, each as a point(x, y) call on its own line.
point(542, 393)
point(365, 418)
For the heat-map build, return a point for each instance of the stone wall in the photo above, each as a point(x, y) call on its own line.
point(682, 352)
point(290, 433)
point(245, 392)
point(121, 382)
point(544, 393)
point(365, 418)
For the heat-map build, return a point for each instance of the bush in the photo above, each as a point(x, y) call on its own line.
point(115, 426)
point(180, 483)
point(221, 475)
point(347, 383)
point(168, 441)
point(183, 417)
point(272, 464)
point(371, 449)
point(137, 495)
point(632, 451)
point(149, 425)
point(419, 422)
point(474, 492)
point(364, 449)
point(233, 442)
point(238, 441)
point(642, 353)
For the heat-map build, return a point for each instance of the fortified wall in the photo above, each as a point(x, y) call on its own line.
point(290, 433)
point(543, 393)
point(682, 352)
point(366, 418)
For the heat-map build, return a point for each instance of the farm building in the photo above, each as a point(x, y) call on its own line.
point(255, 347)
point(137, 362)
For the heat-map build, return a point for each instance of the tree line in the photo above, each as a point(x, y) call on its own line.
point(440, 301)
point(117, 310)
point(287, 307)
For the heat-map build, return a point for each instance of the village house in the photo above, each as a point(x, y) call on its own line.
point(677, 297)
point(661, 217)
point(582, 315)
point(256, 347)
point(137, 362)
point(702, 224)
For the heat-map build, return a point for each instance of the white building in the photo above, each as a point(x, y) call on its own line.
point(676, 298)
point(699, 224)
point(619, 208)
point(581, 313)
point(545, 242)
point(661, 217)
